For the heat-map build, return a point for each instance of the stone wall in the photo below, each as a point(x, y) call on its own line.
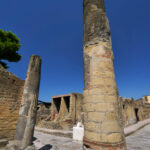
point(57, 115)
point(128, 111)
point(65, 112)
point(146, 99)
point(134, 110)
point(11, 88)
point(69, 111)
point(43, 112)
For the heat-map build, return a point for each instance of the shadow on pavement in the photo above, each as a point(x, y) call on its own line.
point(46, 147)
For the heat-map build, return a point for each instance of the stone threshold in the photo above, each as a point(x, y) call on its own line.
point(64, 133)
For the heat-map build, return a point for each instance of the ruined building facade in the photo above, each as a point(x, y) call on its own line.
point(65, 111)
point(134, 110)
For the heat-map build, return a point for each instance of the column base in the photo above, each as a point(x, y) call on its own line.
point(91, 145)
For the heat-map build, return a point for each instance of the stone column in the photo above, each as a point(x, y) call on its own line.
point(102, 112)
point(28, 109)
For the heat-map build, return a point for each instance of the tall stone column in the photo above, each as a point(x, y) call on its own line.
point(27, 114)
point(102, 112)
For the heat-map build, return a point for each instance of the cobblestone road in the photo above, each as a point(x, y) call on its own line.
point(137, 141)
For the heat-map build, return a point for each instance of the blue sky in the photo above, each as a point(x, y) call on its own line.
point(53, 30)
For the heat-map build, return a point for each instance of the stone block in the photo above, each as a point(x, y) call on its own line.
point(92, 136)
point(111, 138)
point(110, 81)
point(97, 81)
point(96, 116)
point(111, 99)
point(89, 107)
point(96, 91)
point(92, 126)
point(111, 126)
point(112, 116)
point(94, 98)
point(102, 107)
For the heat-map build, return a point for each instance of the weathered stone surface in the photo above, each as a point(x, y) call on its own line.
point(139, 140)
point(11, 88)
point(47, 141)
point(43, 112)
point(27, 114)
point(96, 116)
point(100, 89)
point(65, 112)
point(134, 110)
point(96, 26)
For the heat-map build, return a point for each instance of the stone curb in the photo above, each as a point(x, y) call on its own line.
point(133, 128)
point(127, 130)
point(55, 132)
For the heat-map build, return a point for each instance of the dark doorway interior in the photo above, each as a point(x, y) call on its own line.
point(123, 106)
point(136, 114)
point(57, 102)
point(67, 102)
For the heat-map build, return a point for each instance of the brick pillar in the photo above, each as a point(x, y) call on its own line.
point(28, 109)
point(102, 112)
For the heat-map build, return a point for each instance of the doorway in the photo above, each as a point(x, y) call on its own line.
point(136, 114)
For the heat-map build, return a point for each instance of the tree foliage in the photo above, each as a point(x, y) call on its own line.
point(9, 46)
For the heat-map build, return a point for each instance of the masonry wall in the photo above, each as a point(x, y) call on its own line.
point(43, 113)
point(134, 110)
point(11, 88)
point(48, 117)
point(65, 111)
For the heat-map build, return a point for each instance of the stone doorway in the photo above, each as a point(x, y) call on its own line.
point(67, 102)
point(136, 114)
point(57, 103)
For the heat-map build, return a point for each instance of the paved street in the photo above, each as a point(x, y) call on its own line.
point(46, 141)
point(140, 140)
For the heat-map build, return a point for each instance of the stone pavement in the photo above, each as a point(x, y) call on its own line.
point(139, 140)
point(131, 129)
point(51, 142)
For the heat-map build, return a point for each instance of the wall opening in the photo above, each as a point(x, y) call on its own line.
point(123, 106)
point(67, 102)
point(136, 114)
point(57, 102)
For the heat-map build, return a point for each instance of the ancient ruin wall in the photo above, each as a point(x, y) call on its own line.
point(65, 111)
point(43, 112)
point(146, 99)
point(128, 113)
point(134, 110)
point(11, 88)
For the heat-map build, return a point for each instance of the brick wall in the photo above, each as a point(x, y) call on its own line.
point(11, 88)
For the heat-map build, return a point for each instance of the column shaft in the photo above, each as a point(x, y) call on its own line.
point(102, 112)
point(28, 109)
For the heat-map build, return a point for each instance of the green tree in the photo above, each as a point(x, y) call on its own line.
point(9, 46)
